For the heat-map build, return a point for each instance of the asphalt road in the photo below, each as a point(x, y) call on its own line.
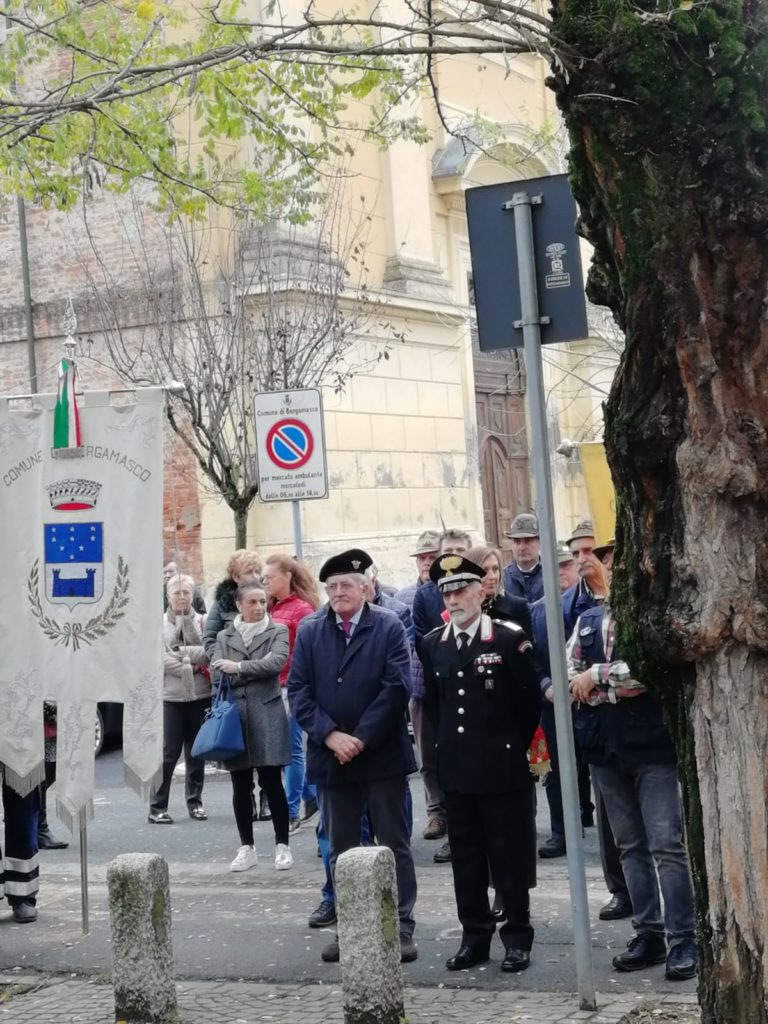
point(254, 925)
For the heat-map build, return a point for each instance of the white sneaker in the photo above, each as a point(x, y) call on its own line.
point(283, 857)
point(245, 858)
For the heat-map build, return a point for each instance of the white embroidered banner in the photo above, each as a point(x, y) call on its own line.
point(80, 598)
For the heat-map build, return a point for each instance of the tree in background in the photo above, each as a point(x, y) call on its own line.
point(229, 312)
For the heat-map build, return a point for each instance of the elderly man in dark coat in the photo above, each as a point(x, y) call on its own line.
point(348, 688)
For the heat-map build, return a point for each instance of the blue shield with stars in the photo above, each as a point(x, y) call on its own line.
point(74, 563)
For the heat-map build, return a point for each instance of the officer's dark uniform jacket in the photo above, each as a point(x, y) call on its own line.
point(485, 702)
point(361, 687)
point(632, 729)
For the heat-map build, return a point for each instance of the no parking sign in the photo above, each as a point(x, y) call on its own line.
point(290, 445)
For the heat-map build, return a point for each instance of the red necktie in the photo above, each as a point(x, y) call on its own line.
point(346, 628)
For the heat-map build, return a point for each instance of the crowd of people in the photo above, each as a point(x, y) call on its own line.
point(325, 691)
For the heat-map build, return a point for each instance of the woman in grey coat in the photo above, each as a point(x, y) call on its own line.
point(252, 649)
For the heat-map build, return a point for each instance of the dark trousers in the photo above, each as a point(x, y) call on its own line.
point(552, 785)
point(19, 880)
point(271, 782)
point(50, 778)
point(495, 829)
point(385, 799)
point(181, 724)
point(610, 857)
point(645, 811)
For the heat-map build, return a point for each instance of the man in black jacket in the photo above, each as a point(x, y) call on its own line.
point(483, 698)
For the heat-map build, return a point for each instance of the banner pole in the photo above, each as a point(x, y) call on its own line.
point(84, 879)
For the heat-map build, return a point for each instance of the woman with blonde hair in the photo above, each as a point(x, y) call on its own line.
point(293, 595)
point(496, 603)
point(243, 567)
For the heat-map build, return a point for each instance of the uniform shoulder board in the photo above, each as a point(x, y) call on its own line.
point(510, 625)
point(437, 629)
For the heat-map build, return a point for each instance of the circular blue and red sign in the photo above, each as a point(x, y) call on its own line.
point(290, 444)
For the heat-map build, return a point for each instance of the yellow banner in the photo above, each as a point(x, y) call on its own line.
point(602, 498)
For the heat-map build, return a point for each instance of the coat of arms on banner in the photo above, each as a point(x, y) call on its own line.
point(74, 563)
point(74, 568)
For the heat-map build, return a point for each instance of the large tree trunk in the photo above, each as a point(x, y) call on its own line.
point(666, 112)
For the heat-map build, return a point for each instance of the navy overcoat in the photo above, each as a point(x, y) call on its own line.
point(361, 688)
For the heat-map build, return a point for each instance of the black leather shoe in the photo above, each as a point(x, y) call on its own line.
point(408, 950)
point(516, 960)
point(443, 855)
point(310, 809)
point(24, 913)
point(467, 956)
point(47, 841)
point(642, 951)
point(681, 961)
point(554, 847)
point(587, 819)
point(330, 954)
point(323, 916)
point(617, 907)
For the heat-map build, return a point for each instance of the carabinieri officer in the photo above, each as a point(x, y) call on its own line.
point(482, 695)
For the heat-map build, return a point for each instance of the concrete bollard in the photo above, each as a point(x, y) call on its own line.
point(369, 936)
point(142, 956)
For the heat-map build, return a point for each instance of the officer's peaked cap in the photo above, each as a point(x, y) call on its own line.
point(453, 572)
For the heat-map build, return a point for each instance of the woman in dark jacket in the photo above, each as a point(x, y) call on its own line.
point(243, 567)
point(252, 650)
point(496, 602)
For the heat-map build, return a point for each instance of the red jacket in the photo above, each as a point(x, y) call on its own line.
point(290, 611)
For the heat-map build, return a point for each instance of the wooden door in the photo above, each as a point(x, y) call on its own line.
point(504, 467)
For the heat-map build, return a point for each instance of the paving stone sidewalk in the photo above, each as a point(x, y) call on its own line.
point(80, 1001)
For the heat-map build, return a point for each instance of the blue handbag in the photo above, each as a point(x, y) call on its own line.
point(221, 735)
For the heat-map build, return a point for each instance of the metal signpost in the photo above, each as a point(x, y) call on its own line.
point(290, 450)
point(515, 260)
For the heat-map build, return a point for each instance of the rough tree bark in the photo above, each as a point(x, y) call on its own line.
point(666, 109)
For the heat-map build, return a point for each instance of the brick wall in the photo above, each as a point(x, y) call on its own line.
point(181, 508)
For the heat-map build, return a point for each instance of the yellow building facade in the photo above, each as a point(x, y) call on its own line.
point(436, 433)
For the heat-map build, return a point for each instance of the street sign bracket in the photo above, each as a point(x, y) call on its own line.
point(519, 324)
point(523, 199)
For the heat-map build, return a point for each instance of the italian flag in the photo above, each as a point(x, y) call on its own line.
point(66, 419)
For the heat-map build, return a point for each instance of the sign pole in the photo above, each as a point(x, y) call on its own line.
point(530, 323)
point(297, 545)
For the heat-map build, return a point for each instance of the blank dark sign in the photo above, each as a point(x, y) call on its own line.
point(494, 262)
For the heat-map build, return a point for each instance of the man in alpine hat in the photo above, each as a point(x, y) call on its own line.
point(483, 698)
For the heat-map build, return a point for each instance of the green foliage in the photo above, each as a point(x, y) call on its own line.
point(192, 99)
point(671, 94)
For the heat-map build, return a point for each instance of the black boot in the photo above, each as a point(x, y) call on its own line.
point(45, 838)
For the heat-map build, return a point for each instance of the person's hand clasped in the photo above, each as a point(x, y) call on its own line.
point(225, 665)
point(582, 686)
point(344, 746)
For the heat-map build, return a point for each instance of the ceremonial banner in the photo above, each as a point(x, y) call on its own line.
point(80, 595)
